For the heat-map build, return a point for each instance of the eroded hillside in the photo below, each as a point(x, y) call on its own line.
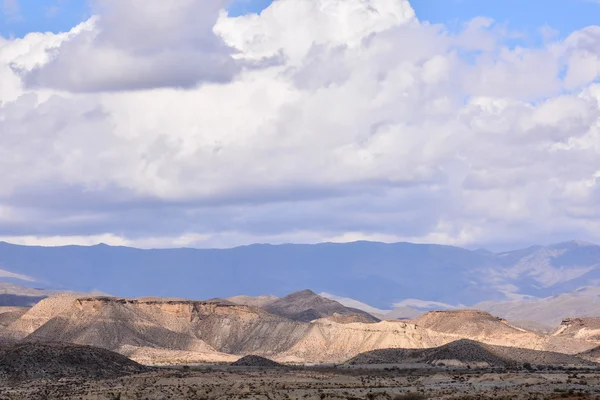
point(153, 330)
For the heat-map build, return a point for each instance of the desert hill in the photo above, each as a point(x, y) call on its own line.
point(157, 329)
point(486, 328)
point(29, 361)
point(579, 328)
point(472, 323)
point(307, 306)
point(468, 353)
point(154, 330)
point(38, 315)
point(255, 361)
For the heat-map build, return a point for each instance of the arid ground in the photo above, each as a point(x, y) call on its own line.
point(311, 383)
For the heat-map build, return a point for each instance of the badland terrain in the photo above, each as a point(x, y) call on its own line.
point(63, 342)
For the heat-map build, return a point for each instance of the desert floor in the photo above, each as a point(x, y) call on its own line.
point(319, 383)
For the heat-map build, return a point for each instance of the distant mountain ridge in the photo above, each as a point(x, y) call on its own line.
point(582, 302)
point(377, 274)
point(13, 295)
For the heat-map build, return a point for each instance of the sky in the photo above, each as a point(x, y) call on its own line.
point(563, 16)
point(215, 123)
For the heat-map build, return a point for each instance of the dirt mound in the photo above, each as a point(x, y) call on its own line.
point(27, 361)
point(467, 352)
point(306, 306)
point(256, 361)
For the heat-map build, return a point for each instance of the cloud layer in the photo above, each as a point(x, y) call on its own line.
point(316, 120)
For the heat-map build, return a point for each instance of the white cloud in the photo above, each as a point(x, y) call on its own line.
point(141, 44)
point(424, 305)
point(371, 126)
point(583, 52)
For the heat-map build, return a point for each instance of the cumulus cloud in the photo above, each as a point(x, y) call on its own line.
point(140, 44)
point(372, 125)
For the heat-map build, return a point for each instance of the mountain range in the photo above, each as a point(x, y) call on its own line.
point(380, 275)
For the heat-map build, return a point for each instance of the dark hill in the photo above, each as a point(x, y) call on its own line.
point(306, 306)
point(28, 361)
point(468, 352)
point(256, 361)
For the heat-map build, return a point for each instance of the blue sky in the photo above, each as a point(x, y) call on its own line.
point(23, 16)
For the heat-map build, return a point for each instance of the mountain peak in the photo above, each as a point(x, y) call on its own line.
point(306, 306)
point(303, 293)
point(572, 244)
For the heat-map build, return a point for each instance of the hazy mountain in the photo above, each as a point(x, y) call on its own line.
point(352, 303)
point(13, 295)
point(583, 302)
point(377, 274)
point(403, 313)
point(543, 271)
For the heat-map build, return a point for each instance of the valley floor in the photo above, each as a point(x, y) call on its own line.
point(229, 383)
